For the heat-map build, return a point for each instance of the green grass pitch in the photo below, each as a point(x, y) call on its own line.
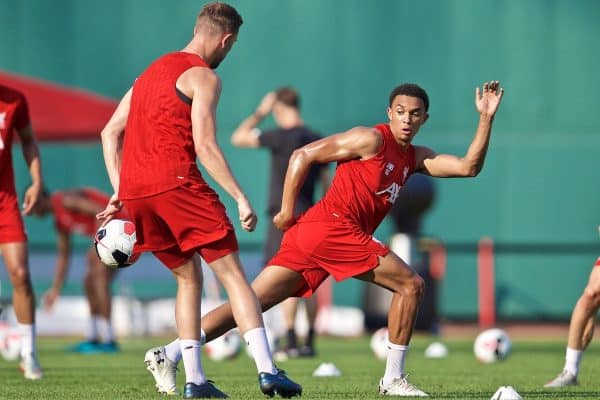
point(459, 376)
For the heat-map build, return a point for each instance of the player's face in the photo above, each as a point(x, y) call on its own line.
point(406, 116)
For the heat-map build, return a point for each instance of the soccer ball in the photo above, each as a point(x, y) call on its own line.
point(492, 345)
point(10, 342)
point(225, 347)
point(114, 243)
point(379, 343)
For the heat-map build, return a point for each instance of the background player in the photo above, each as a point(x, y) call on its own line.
point(159, 127)
point(290, 134)
point(335, 235)
point(14, 117)
point(74, 212)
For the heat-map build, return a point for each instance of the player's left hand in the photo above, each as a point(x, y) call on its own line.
point(488, 99)
point(112, 208)
point(32, 195)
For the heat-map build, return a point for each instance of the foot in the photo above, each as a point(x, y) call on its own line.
point(109, 347)
point(401, 387)
point(86, 347)
point(30, 367)
point(307, 351)
point(204, 391)
point(565, 378)
point(162, 369)
point(278, 384)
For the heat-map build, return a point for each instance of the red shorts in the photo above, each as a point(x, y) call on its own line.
point(319, 249)
point(179, 222)
point(12, 229)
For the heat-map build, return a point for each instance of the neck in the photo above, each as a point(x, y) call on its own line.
point(197, 49)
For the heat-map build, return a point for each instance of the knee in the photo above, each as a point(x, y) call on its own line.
point(414, 287)
point(19, 277)
point(591, 297)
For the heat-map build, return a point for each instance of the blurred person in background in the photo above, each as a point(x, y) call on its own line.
point(14, 118)
point(290, 134)
point(335, 236)
point(74, 212)
point(150, 145)
point(581, 329)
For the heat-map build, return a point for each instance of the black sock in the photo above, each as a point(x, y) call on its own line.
point(291, 339)
point(310, 338)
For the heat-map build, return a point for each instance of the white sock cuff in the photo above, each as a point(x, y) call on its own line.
point(202, 336)
point(254, 331)
point(395, 346)
point(189, 343)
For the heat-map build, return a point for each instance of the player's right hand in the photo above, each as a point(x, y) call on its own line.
point(283, 221)
point(49, 299)
point(248, 218)
point(266, 104)
point(112, 208)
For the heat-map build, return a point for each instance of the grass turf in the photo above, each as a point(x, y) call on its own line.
point(71, 376)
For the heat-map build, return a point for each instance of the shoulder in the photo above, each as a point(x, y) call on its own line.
point(199, 77)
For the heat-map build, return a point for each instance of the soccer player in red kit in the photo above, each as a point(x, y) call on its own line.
point(74, 212)
point(165, 121)
point(14, 117)
point(335, 236)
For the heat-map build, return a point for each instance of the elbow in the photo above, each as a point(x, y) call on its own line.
point(299, 157)
point(472, 171)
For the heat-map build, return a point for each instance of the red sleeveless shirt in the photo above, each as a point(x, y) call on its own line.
point(158, 149)
point(363, 191)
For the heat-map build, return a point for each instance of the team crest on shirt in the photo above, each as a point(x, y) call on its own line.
point(389, 168)
point(2, 120)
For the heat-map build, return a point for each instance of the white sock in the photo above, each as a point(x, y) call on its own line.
point(256, 340)
point(27, 332)
point(394, 366)
point(192, 363)
point(93, 328)
point(572, 360)
point(105, 330)
point(173, 351)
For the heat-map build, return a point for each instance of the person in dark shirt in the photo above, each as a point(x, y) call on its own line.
point(290, 134)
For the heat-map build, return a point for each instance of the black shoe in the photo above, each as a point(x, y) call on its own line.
point(307, 351)
point(204, 391)
point(278, 384)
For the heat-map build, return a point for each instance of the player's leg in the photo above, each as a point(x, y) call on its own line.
point(272, 285)
point(289, 308)
point(407, 287)
point(310, 305)
point(102, 300)
point(581, 330)
point(16, 260)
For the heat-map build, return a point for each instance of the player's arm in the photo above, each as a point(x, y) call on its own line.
point(31, 153)
point(429, 162)
point(112, 143)
point(357, 143)
point(205, 88)
point(75, 202)
point(246, 135)
point(60, 273)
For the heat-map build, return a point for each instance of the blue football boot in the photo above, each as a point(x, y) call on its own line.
point(86, 347)
point(204, 391)
point(278, 384)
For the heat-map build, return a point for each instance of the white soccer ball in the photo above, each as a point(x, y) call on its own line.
point(379, 343)
point(114, 243)
point(225, 347)
point(492, 345)
point(10, 342)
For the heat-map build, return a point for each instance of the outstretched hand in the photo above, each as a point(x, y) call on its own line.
point(112, 208)
point(488, 100)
